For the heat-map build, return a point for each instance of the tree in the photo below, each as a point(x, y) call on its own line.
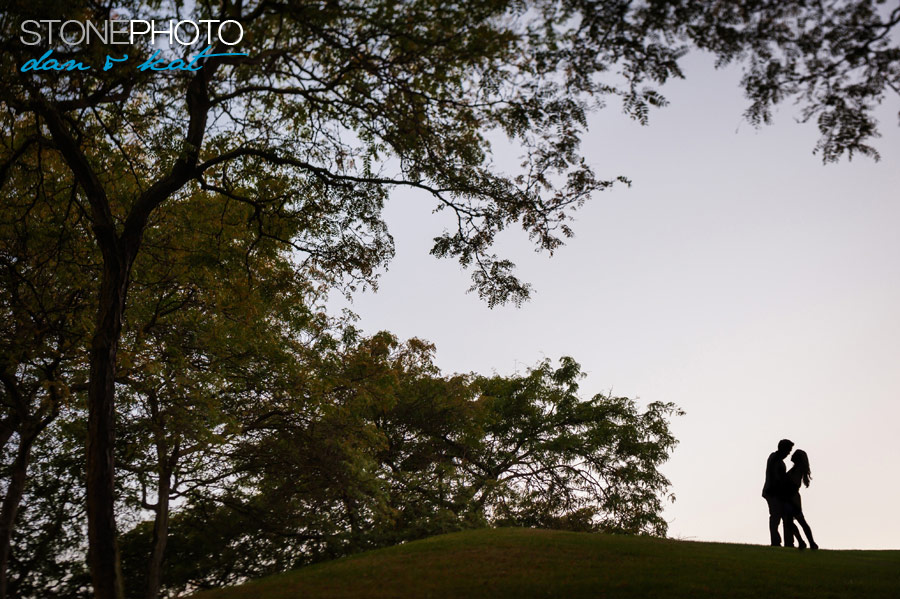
point(204, 342)
point(561, 462)
point(386, 449)
point(522, 450)
point(45, 279)
point(837, 58)
point(49, 535)
point(337, 102)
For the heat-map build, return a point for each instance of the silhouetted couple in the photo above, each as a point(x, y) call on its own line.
point(782, 493)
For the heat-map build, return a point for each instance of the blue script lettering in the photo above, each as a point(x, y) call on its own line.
point(45, 63)
point(159, 64)
point(110, 61)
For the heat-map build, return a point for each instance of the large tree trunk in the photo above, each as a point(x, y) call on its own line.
point(160, 533)
point(11, 502)
point(119, 252)
point(103, 552)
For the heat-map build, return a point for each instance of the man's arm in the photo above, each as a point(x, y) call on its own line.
point(775, 470)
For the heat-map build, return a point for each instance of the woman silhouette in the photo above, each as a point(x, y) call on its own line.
point(793, 509)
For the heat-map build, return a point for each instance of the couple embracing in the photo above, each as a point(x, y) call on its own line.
point(782, 492)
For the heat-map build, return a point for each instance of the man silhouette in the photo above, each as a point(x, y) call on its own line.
point(772, 492)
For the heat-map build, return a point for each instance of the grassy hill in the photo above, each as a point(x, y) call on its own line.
point(520, 563)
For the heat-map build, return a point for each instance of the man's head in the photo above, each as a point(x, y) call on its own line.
point(784, 447)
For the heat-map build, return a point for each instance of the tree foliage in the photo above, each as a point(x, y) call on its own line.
point(46, 269)
point(395, 451)
point(836, 58)
point(369, 446)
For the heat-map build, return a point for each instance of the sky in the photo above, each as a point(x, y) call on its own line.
point(738, 277)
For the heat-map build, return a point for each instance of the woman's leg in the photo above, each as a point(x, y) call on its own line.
point(806, 529)
point(800, 543)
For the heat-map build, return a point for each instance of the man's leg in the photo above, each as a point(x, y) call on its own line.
point(776, 515)
point(790, 529)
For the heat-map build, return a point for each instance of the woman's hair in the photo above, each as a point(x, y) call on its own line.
point(802, 461)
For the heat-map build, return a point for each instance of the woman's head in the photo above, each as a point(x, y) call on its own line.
point(801, 460)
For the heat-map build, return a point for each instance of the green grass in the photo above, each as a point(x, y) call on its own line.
point(521, 563)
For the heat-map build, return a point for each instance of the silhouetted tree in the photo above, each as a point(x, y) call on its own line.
point(45, 319)
point(382, 448)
